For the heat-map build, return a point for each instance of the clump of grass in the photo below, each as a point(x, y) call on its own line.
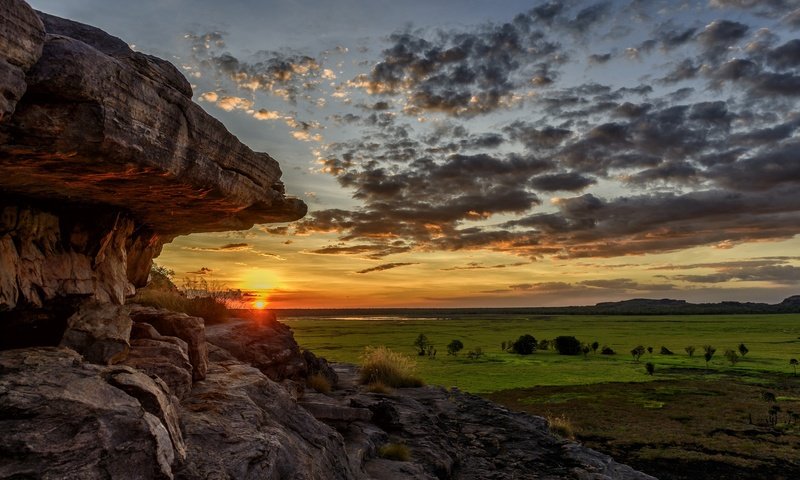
point(395, 451)
point(380, 364)
point(319, 383)
point(379, 387)
point(561, 426)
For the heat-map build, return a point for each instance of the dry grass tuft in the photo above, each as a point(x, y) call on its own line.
point(395, 451)
point(380, 364)
point(379, 387)
point(561, 426)
point(319, 383)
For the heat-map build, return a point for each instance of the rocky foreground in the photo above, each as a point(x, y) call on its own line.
point(179, 405)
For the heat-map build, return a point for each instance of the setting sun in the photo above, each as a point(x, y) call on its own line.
point(259, 304)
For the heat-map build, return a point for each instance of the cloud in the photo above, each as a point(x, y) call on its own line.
point(626, 284)
point(478, 266)
point(385, 266)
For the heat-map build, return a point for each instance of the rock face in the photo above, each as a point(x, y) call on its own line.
point(63, 418)
point(105, 157)
point(99, 332)
point(264, 343)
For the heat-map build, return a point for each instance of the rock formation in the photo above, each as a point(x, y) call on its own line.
point(104, 159)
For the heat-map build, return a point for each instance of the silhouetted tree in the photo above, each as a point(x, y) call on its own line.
point(606, 350)
point(690, 350)
point(595, 346)
point(422, 344)
point(525, 345)
point(586, 349)
point(650, 368)
point(454, 347)
point(650, 350)
point(637, 352)
point(666, 351)
point(567, 345)
point(793, 363)
point(743, 349)
point(732, 356)
point(709, 353)
point(544, 344)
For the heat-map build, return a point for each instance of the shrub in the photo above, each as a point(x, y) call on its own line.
point(319, 383)
point(793, 362)
point(379, 387)
point(454, 347)
point(650, 350)
point(606, 350)
point(586, 349)
point(666, 351)
point(709, 353)
point(544, 344)
point(690, 350)
point(379, 364)
point(561, 426)
point(422, 344)
point(395, 451)
point(743, 349)
point(475, 354)
point(567, 345)
point(213, 310)
point(595, 346)
point(650, 368)
point(525, 345)
point(732, 356)
point(637, 352)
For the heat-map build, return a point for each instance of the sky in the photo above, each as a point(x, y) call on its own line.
point(479, 153)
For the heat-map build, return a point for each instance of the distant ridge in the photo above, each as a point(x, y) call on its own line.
point(634, 306)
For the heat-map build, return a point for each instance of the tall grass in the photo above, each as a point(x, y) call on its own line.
point(379, 364)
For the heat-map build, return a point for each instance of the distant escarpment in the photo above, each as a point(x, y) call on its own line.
point(104, 158)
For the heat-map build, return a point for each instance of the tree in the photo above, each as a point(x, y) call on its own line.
point(650, 368)
point(732, 356)
point(637, 352)
point(422, 344)
point(544, 344)
point(709, 353)
point(690, 350)
point(606, 350)
point(650, 350)
point(793, 363)
point(743, 349)
point(525, 345)
point(586, 349)
point(503, 345)
point(454, 347)
point(595, 346)
point(567, 345)
point(666, 351)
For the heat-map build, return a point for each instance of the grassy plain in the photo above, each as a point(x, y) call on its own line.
point(687, 421)
point(772, 340)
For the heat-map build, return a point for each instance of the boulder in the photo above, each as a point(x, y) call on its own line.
point(189, 329)
point(240, 424)
point(320, 366)
point(163, 359)
point(64, 418)
point(20, 47)
point(100, 332)
point(264, 343)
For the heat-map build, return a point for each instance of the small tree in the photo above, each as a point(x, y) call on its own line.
point(454, 347)
point(650, 350)
point(690, 350)
point(637, 352)
point(503, 345)
point(650, 368)
point(525, 345)
point(567, 345)
point(606, 350)
point(709, 353)
point(422, 344)
point(666, 351)
point(732, 356)
point(595, 346)
point(743, 349)
point(793, 362)
point(544, 344)
point(586, 349)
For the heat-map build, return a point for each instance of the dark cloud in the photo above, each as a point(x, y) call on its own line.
point(718, 36)
point(778, 274)
point(541, 287)
point(571, 181)
point(479, 266)
point(599, 58)
point(625, 284)
point(385, 266)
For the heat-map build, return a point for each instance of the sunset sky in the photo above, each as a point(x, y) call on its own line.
point(484, 153)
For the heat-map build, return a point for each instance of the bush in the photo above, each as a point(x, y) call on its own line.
point(525, 345)
point(319, 383)
point(544, 344)
point(666, 351)
point(379, 364)
point(454, 347)
point(743, 349)
point(567, 345)
point(395, 451)
point(595, 345)
point(690, 350)
point(561, 426)
point(637, 352)
point(732, 356)
point(650, 368)
point(379, 387)
point(422, 344)
point(607, 351)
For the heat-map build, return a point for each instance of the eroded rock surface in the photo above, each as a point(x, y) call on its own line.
point(100, 332)
point(20, 47)
point(262, 342)
point(64, 418)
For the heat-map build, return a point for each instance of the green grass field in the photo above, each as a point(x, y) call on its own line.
point(685, 422)
point(772, 340)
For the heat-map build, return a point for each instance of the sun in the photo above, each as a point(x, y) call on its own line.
point(259, 304)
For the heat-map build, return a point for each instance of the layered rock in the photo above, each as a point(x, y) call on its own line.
point(105, 157)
